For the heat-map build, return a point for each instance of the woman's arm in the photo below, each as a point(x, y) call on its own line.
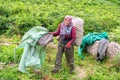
point(73, 35)
point(56, 33)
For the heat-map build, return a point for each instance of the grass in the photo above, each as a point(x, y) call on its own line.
point(87, 69)
point(17, 16)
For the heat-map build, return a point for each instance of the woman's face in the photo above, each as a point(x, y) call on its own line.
point(66, 22)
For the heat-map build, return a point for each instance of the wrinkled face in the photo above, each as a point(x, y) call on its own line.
point(67, 21)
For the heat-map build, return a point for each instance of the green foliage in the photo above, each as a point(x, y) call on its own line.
point(16, 17)
point(93, 70)
point(104, 75)
point(115, 35)
point(9, 76)
point(12, 74)
point(7, 54)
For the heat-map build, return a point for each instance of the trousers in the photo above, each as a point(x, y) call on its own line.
point(69, 54)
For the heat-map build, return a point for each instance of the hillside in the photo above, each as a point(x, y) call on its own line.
point(18, 16)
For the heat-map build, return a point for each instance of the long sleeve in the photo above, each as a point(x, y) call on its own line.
point(73, 35)
point(56, 33)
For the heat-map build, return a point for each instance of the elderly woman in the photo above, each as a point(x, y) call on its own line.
point(67, 33)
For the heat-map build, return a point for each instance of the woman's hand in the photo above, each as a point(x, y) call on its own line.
point(50, 33)
point(68, 45)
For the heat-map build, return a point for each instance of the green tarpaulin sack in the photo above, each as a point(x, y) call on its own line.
point(33, 55)
point(89, 39)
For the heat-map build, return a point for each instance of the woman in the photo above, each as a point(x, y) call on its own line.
point(67, 33)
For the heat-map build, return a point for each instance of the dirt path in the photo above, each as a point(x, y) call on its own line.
point(3, 65)
point(81, 73)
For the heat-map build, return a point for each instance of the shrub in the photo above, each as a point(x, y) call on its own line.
point(17, 17)
point(7, 54)
point(114, 35)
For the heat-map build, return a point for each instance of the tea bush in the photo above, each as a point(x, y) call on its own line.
point(7, 54)
point(16, 17)
point(115, 35)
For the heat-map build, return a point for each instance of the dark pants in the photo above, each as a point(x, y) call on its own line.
point(69, 53)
